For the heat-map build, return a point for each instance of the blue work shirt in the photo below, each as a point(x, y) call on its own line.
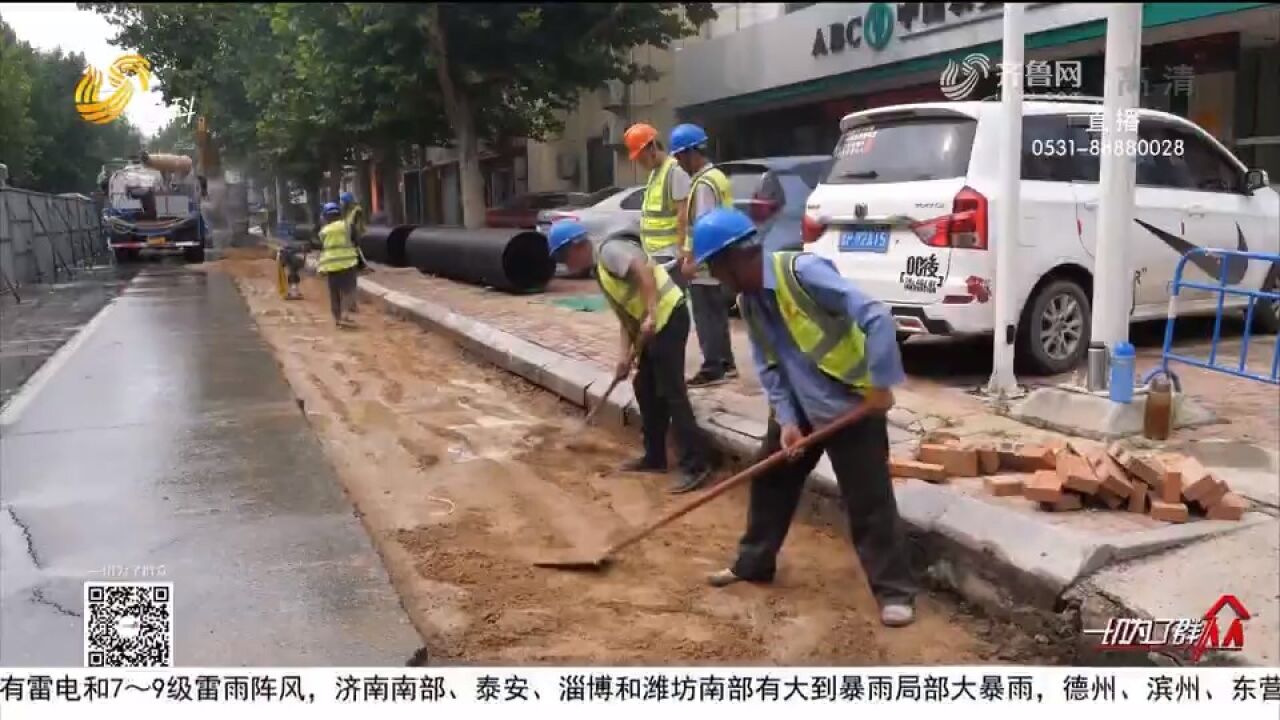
point(797, 388)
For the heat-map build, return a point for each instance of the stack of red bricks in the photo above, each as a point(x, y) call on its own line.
point(1166, 487)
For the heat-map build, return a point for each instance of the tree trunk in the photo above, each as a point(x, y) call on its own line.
point(458, 109)
point(334, 184)
point(389, 181)
point(363, 193)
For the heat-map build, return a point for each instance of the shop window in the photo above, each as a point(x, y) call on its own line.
point(793, 7)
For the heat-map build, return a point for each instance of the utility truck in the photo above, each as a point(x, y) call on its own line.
point(152, 205)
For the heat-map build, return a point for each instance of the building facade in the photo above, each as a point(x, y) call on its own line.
point(776, 79)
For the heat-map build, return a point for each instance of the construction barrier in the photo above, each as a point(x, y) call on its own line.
point(1225, 260)
point(44, 238)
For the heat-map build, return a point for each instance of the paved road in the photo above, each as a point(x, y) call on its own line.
point(164, 439)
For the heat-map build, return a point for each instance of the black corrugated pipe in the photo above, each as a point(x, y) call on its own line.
point(512, 260)
point(385, 243)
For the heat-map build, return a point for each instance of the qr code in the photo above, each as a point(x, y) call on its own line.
point(128, 624)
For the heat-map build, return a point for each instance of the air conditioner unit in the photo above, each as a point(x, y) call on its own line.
point(611, 134)
point(567, 166)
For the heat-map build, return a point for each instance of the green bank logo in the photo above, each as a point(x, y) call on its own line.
point(877, 28)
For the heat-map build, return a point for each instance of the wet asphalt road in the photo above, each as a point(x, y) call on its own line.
point(163, 444)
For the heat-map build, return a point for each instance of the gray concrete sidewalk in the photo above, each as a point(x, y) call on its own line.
point(1001, 553)
point(166, 446)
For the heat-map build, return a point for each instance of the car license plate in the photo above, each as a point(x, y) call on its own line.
point(155, 240)
point(870, 239)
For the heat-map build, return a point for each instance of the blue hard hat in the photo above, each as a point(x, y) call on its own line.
point(717, 230)
point(687, 136)
point(330, 209)
point(347, 197)
point(562, 233)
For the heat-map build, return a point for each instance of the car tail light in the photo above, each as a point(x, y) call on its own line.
point(761, 209)
point(564, 216)
point(965, 228)
point(811, 229)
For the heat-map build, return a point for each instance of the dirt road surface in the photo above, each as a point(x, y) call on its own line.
point(461, 474)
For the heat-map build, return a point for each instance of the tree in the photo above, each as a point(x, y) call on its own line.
point(17, 129)
point(526, 63)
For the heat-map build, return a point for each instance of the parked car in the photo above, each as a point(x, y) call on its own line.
point(906, 212)
point(615, 215)
point(521, 211)
point(773, 192)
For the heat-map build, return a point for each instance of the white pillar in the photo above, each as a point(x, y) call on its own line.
point(1008, 203)
point(1113, 273)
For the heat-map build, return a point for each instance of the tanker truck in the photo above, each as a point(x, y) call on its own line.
point(152, 206)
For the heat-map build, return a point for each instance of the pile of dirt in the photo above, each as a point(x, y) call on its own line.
point(464, 475)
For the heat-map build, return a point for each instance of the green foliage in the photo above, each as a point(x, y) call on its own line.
point(44, 141)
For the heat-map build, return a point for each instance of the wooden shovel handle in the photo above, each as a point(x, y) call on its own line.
point(777, 458)
point(631, 358)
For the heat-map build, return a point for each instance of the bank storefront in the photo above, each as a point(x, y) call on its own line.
point(781, 87)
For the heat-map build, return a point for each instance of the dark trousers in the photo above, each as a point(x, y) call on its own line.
point(860, 457)
point(663, 398)
point(342, 285)
point(711, 320)
point(293, 261)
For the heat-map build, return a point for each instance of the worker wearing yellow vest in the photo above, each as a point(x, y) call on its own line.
point(338, 261)
point(709, 190)
point(821, 348)
point(662, 224)
point(353, 216)
point(651, 312)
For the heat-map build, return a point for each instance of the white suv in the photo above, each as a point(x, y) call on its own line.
point(908, 213)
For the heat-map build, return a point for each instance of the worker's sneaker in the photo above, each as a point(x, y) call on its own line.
point(643, 465)
point(705, 379)
point(723, 578)
point(690, 481)
point(897, 615)
point(731, 372)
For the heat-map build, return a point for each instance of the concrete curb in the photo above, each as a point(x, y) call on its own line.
point(997, 558)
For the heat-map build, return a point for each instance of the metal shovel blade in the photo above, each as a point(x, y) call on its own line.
point(575, 559)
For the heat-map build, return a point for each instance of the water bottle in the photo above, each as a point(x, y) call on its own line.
point(1122, 362)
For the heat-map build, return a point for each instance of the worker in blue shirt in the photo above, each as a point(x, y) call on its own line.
point(821, 347)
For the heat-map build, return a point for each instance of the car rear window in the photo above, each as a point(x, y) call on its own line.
point(903, 150)
point(744, 180)
point(547, 202)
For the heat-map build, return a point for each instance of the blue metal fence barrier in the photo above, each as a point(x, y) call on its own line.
point(1225, 259)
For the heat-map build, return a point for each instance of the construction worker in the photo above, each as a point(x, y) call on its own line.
point(338, 261)
point(821, 347)
point(654, 326)
point(662, 225)
point(353, 216)
point(709, 189)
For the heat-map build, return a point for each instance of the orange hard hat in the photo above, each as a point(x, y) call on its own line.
point(637, 137)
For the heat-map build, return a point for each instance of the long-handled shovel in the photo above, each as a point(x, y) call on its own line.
point(583, 560)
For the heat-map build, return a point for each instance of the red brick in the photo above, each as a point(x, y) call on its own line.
point(1214, 496)
point(901, 468)
point(1004, 485)
point(1197, 482)
point(1029, 459)
point(1171, 490)
point(958, 461)
point(988, 460)
point(1231, 507)
point(1070, 501)
point(1169, 512)
point(1138, 498)
point(1076, 473)
point(1119, 453)
point(1109, 498)
point(1146, 469)
point(1044, 486)
point(1113, 477)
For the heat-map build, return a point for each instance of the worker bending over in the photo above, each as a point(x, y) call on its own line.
point(338, 261)
point(821, 348)
point(662, 224)
point(709, 190)
point(654, 322)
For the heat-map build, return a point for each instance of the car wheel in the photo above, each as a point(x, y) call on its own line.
point(1266, 313)
point(193, 254)
point(1056, 327)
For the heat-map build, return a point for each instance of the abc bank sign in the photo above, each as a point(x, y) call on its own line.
point(874, 28)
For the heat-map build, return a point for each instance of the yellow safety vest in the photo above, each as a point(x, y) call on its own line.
point(658, 224)
point(338, 253)
point(835, 344)
point(354, 218)
point(709, 175)
point(624, 296)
